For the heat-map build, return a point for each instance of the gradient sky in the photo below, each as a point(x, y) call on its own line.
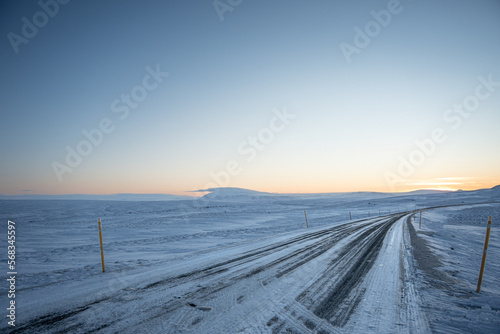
point(354, 121)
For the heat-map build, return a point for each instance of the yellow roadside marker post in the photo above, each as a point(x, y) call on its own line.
point(100, 239)
point(485, 251)
point(307, 225)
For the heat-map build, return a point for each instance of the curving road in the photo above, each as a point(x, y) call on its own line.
point(324, 281)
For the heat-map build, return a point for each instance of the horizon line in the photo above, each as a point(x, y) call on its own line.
point(209, 190)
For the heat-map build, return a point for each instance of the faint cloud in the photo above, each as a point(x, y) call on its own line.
point(446, 183)
point(454, 178)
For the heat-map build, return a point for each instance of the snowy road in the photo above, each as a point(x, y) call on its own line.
point(325, 280)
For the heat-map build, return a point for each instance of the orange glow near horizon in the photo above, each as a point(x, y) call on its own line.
point(253, 177)
point(434, 184)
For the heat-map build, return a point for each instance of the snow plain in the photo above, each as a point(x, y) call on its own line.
point(238, 261)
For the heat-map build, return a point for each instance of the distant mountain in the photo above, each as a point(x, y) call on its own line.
point(245, 195)
point(235, 194)
point(114, 197)
point(427, 192)
point(231, 193)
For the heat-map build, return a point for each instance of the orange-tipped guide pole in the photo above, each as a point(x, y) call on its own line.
point(100, 240)
point(485, 251)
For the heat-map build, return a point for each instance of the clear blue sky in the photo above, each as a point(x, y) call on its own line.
point(355, 120)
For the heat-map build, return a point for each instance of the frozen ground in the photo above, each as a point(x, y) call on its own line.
point(448, 274)
point(244, 262)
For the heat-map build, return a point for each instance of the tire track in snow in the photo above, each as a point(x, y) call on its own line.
point(327, 297)
point(335, 299)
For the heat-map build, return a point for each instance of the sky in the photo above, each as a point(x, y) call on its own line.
point(104, 97)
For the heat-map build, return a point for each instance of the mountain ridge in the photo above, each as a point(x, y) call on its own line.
point(226, 193)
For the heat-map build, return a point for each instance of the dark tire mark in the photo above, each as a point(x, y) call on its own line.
point(316, 244)
point(336, 301)
point(50, 321)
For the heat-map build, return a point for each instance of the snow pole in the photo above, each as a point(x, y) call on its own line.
point(485, 251)
point(350, 215)
point(307, 225)
point(100, 240)
point(420, 224)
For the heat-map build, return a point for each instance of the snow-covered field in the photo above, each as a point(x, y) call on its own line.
point(238, 261)
point(448, 278)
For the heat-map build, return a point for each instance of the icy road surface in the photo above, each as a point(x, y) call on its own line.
point(319, 281)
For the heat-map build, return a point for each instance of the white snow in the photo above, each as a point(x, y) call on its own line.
point(148, 244)
point(456, 235)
